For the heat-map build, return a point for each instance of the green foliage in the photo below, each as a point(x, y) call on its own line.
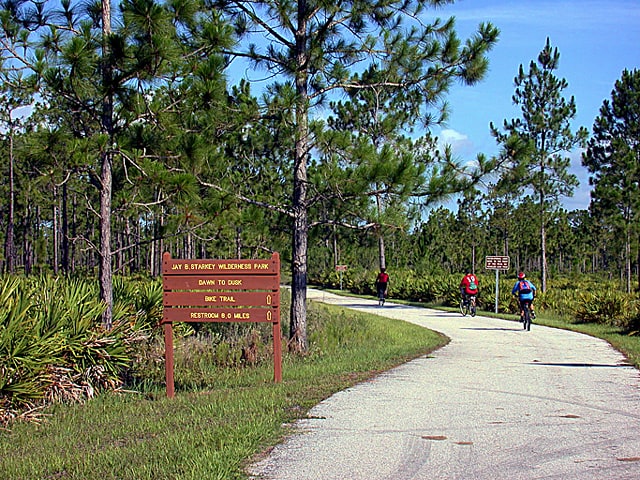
point(613, 162)
point(536, 146)
point(52, 347)
point(609, 307)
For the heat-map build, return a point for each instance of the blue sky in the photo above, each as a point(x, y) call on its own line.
point(597, 40)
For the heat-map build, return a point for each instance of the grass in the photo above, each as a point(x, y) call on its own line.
point(215, 431)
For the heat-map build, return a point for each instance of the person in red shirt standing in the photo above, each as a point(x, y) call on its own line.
point(468, 285)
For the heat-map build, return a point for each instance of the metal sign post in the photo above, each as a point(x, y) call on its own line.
point(497, 263)
point(341, 269)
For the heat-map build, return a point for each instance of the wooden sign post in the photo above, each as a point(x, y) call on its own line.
point(220, 291)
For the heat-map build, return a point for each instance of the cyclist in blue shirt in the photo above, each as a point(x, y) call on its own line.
point(526, 292)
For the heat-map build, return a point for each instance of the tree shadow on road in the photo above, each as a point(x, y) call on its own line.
point(494, 328)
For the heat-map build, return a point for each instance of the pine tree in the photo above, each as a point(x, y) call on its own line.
point(545, 129)
point(613, 160)
point(96, 78)
point(314, 46)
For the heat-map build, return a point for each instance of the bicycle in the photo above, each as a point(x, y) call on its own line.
point(381, 294)
point(527, 315)
point(468, 305)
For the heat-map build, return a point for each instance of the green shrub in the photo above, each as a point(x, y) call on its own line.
point(608, 307)
point(53, 347)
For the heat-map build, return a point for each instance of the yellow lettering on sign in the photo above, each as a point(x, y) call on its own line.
point(206, 282)
point(242, 316)
point(261, 266)
point(234, 266)
point(203, 266)
point(211, 298)
point(204, 315)
point(235, 282)
point(176, 266)
point(227, 298)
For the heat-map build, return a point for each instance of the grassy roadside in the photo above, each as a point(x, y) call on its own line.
point(211, 433)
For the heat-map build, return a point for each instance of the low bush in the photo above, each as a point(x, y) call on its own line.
point(52, 346)
point(608, 307)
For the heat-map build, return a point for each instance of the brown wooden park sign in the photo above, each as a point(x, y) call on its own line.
point(220, 291)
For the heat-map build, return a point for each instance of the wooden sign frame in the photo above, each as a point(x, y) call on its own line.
point(220, 291)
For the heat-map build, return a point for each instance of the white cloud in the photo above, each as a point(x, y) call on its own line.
point(459, 142)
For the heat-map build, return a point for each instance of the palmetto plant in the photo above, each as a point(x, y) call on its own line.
point(52, 344)
point(24, 351)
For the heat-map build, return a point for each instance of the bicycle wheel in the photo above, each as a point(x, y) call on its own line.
point(472, 306)
point(464, 308)
point(526, 324)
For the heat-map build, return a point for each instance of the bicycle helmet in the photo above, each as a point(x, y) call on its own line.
point(521, 275)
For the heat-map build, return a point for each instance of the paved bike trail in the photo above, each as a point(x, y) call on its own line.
point(497, 402)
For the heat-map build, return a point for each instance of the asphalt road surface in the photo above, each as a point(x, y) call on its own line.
point(496, 403)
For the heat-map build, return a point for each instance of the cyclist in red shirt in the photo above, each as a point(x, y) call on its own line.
point(382, 285)
point(468, 285)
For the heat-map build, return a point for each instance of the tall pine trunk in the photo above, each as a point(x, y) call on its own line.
point(65, 229)
point(627, 258)
point(106, 179)
point(9, 244)
point(381, 250)
point(56, 231)
point(298, 322)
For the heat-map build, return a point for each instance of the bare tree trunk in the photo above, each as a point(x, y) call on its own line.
point(336, 253)
point(74, 233)
point(106, 178)
point(298, 321)
point(9, 244)
point(27, 242)
point(381, 251)
point(238, 242)
point(133, 253)
point(118, 243)
point(543, 265)
point(106, 277)
point(65, 229)
point(627, 259)
point(638, 266)
point(543, 230)
point(56, 232)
